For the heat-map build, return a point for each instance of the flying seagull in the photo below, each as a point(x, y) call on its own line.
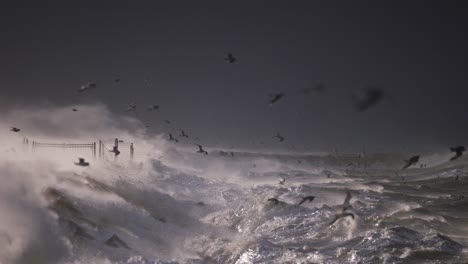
point(275, 97)
point(338, 216)
point(371, 96)
point(346, 204)
point(115, 150)
point(230, 58)
point(82, 162)
point(276, 201)
point(14, 129)
point(171, 138)
point(152, 107)
point(458, 152)
point(307, 198)
point(282, 180)
point(117, 80)
point(278, 136)
point(74, 109)
point(88, 86)
point(182, 133)
point(201, 150)
point(131, 107)
point(167, 121)
point(413, 160)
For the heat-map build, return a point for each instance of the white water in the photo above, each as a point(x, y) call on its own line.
point(175, 206)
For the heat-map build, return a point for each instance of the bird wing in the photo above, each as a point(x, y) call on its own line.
point(346, 204)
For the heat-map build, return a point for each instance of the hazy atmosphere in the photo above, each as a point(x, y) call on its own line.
point(246, 132)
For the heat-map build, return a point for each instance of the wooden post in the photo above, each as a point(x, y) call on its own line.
point(116, 147)
point(100, 149)
point(94, 150)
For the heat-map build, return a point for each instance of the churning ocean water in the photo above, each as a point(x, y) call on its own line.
point(177, 206)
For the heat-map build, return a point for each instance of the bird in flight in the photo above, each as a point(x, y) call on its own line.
point(82, 162)
point(230, 58)
point(88, 86)
point(167, 121)
point(14, 129)
point(74, 109)
point(275, 97)
point(115, 150)
point(413, 160)
point(339, 216)
point(346, 206)
point(171, 138)
point(458, 152)
point(182, 133)
point(279, 137)
point(371, 96)
point(346, 203)
point(307, 198)
point(152, 107)
point(201, 150)
point(117, 80)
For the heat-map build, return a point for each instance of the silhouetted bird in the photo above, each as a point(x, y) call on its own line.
point(413, 160)
point(117, 80)
point(278, 136)
point(86, 87)
point(346, 203)
point(201, 150)
point(74, 109)
point(115, 150)
point(230, 58)
point(14, 129)
point(82, 162)
point(282, 180)
point(307, 198)
point(276, 201)
point(152, 107)
point(182, 133)
point(200, 204)
point(167, 121)
point(275, 97)
point(458, 152)
point(171, 138)
point(370, 97)
point(131, 107)
point(338, 216)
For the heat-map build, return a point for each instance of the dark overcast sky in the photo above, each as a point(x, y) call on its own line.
point(416, 51)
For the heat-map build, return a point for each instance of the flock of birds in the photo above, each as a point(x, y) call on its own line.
point(345, 210)
point(370, 97)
